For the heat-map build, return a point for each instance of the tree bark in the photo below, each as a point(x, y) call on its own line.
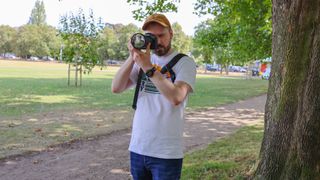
point(291, 143)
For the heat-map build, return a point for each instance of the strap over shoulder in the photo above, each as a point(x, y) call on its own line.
point(172, 62)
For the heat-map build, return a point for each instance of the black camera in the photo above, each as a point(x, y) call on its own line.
point(140, 41)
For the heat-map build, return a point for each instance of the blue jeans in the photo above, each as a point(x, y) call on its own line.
point(146, 167)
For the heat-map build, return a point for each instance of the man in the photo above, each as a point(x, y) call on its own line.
point(156, 149)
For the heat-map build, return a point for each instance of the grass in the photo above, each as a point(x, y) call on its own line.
point(38, 109)
point(211, 92)
point(233, 157)
point(35, 87)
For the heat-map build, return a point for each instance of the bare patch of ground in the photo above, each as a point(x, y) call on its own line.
point(33, 133)
point(106, 157)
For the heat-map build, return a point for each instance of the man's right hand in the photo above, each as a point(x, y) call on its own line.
point(143, 59)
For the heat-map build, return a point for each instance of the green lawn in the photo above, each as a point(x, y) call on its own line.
point(29, 87)
point(38, 109)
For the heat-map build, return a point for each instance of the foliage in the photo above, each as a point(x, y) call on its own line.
point(38, 14)
point(181, 42)
point(7, 35)
point(49, 35)
point(107, 39)
point(212, 37)
point(239, 32)
point(80, 34)
point(36, 40)
point(145, 8)
point(247, 22)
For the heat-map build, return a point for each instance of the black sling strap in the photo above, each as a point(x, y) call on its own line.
point(136, 92)
point(166, 68)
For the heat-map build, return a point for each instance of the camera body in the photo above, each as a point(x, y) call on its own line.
point(140, 41)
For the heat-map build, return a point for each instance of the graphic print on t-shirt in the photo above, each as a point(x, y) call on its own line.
point(148, 86)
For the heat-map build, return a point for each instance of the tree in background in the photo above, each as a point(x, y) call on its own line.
point(113, 40)
point(244, 26)
point(7, 37)
point(53, 42)
point(29, 42)
point(107, 39)
point(37, 40)
point(80, 35)
point(181, 42)
point(124, 34)
point(38, 14)
point(213, 36)
point(146, 8)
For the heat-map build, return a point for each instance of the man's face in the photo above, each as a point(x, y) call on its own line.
point(164, 37)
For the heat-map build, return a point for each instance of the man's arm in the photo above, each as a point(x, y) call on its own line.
point(174, 92)
point(121, 80)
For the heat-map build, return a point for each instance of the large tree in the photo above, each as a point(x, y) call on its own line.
point(244, 26)
point(107, 39)
point(291, 143)
point(36, 40)
point(7, 35)
point(214, 37)
point(181, 42)
point(38, 14)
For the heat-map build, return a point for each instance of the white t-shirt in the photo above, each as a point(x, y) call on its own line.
point(157, 128)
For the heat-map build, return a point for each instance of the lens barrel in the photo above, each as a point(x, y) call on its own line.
point(138, 41)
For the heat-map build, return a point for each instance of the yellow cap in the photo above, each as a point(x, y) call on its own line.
point(157, 18)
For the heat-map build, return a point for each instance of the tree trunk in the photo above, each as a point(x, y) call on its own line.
point(291, 143)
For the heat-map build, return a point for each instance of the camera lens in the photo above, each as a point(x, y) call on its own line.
point(138, 41)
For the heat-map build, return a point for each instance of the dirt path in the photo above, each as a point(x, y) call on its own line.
point(107, 156)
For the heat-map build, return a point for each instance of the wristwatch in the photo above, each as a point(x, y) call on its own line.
point(150, 72)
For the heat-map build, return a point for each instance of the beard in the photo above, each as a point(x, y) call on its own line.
point(162, 50)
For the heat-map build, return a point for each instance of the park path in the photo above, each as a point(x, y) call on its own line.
point(106, 157)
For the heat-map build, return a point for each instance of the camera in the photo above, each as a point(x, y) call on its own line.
point(140, 41)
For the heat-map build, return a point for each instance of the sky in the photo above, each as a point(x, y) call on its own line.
point(17, 12)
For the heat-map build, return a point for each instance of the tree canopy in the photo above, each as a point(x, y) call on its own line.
point(80, 37)
point(242, 28)
point(35, 40)
point(181, 42)
point(38, 14)
point(7, 35)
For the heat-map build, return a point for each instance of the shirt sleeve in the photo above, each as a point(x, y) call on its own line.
point(134, 74)
point(186, 71)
